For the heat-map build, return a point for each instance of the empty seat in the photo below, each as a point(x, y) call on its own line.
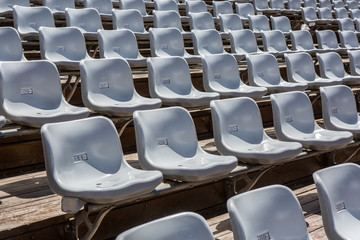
point(327, 40)
point(348, 40)
point(263, 71)
point(243, 42)
point(57, 7)
point(88, 20)
point(238, 131)
point(6, 6)
point(244, 10)
point(31, 94)
point(137, 5)
point(120, 43)
point(341, 13)
point(130, 19)
point(93, 169)
point(281, 23)
point(325, 4)
point(104, 7)
point(352, 5)
point(10, 45)
point(27, 20)
point(170, 80)
point(262, 6)
point(354, 13)
point(310, 18)
point(181, 226)
point(259, 23)
point(271, 212)
point(338, 4)
point(331, 66)
point(339, 109)
point(222, 7)
point(166, 19)
point(195, 7)
point(166, 5)
point(167, 141)
point(167, 42)
point(326, 14)
point(310, 3)
point(338, 189)
point(302, 41)
point(354, 59)
point(207, 42)
point(278, 5)
point(294, 5)
point(346, 24)
point(274, 42)
point(294, 121)
point(63, 46)
point(201, 21)
point(108, 88)
point(221, 74)
point(230, 22)
point(300, 68)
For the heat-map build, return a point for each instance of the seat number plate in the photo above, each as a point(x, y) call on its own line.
point(78, 157)
point(265, 236)
point(26, 91)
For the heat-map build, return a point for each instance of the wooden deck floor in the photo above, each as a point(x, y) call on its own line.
point(221, 227)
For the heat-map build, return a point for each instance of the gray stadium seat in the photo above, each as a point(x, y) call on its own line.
point(271, 212)
point(259, 23)
point(166, 19)
point(243, 42)
point(263, 71)
point(244, 10)
point(300, 68)
point(302, 41)
point(108, 88)
point(135, 4)
point(10, 45)
point(27, 20)
point(6, 6)
point(104, 7)
point(222, 7)
point(339, 109)
point(354, 13)
point(327, 40)
point(93, 169)
point(341, 13)
point(274, 42)
point(294, 5)
point(338, 189)
point(170, 80)
point(331, 66)
point(166, 5)
point(326, 14)
point(325, 4)
point(166, 140)
point(338, 4)
point(348, 40)
point(221, 74)
point(310, 3)
point(207, 42)
point(120, 43)
point(281, 23)
point(238, 131)
point(181, 226)
point(130, 19)
point(354, 59)
point(230, 22)
point(195, 7)
point(31, 94)
point(262, 6)
point(57, 7)
point(201, 21)
point(63, 46)
point(346, 24)
point(294, 121)
point(352, 5)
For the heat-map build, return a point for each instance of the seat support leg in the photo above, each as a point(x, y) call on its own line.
point(349, 154)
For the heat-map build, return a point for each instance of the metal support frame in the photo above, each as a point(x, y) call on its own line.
point(72, 88)
point(348, 155)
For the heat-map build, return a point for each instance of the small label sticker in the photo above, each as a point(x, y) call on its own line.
point(104, 85)
point(33, 25)
point(340, 206)
point(217, 75)
point(77, 157)
point(288, 118)
point(334, 110)
point(166, 81)
point(162, 141)
point(82, 25)
point(312, 24)
point(233, 128)
point(60, 48)
point(328, 69)
point(297, 72)
point(264, 236)
point(116, 49)
point(164, 46)
point(260, 74)
point(26, 91)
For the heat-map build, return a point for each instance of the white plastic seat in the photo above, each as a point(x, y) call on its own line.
point(354, 62)
point(31, 94)
point(338, 189)
point(281, 23)
point(274, 42)
point(327, 40)
point(326, 14)
point(300, 68)
point(338, 4)
point(271, 212)
point(230, 22)
point(354, 13)
point(348, 40)
point(27, 20)
point(88, 20)
point(238, 131)
point(58, 7)
point(294, 121)
point(108, 88)
point(259, 23)
point(166, 141)
point(166, 5)
point(263, 71)
point(201, 21)
point(346, 24)
point(331, 66)
point(130, 19)
point(104, 7)
point(93, 169)
point(302, 41)
point(195, 7)
point(325, 4)
point(63, 46)
point(244, 10)
point(207, 42)
point(166, 19)
point(294, 5)
point(137, 5)
point(341, 13)
point(6, 6)
point(221, 74)
point(166, 42)
point(262, 6)
point(181, 226)
point(309, 17)
point(339, 109)
point(222, 7)
point(170, 80)
point(243, 42)
point(310, 3)
point(120, 43)
point(10, 45)
point(278, 5)
point(352, 5)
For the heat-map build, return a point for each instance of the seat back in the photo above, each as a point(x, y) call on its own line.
point(352, 5)
point(29, 19)
point(10, 45)
point(166, 19)
point(310, 3)
point(201, 21)
point(263, 69)
point(243, 41)
point(128, 19)
point(271, 212)
point(274, 41)
point(301, 40)
point(244, 10)
point(222, 7)
point(281, 23)
point(338, 4)
point(230, 22)
point(354, 58)
point(103, 6)
point(259, 23)
point(348, 39)
point(300, 67)
point(182, 226)
point(325, 4)
point(62, 44)
point(326, 39)
point(6, 6)
point(346, 24)
point(331, 65)
point(117, 43)
point(86, 19)
point(58, 5)
point(133, 4)
point(261, 5)
point(277, 4)
point(195, 7)
point(294, 5)
point(309, 14)
point(354, 13)
point(325, 13)
point(341, 13)
point(166, 42)
point(166, 5)
point(207, 42)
